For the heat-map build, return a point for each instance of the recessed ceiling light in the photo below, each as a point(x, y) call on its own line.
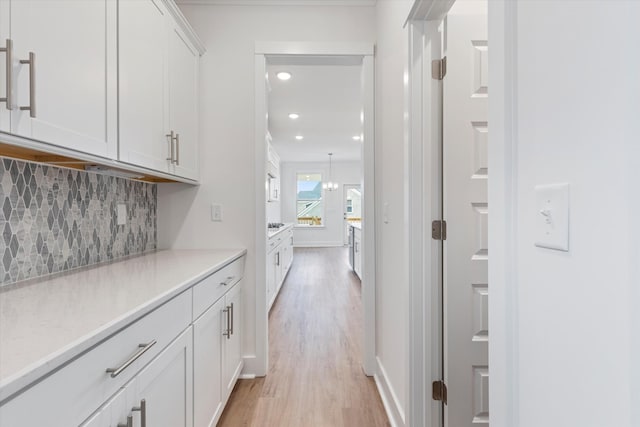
point(283, 75)
point(356, 138)
point(299, 137)
point(294, 116)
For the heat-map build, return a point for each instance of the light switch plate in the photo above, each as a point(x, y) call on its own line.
point(552, 216)
point(216, 212)
point(121, 214)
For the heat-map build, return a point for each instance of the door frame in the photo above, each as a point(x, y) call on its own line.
point(423, 194)
point(259, 364)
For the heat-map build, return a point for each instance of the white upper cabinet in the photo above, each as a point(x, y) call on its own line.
point(183, 103)
point(4, 81)
point(158, 90)
point(64, 72)
point(143, 84)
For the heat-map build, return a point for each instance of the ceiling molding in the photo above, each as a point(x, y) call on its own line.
point(358, 3)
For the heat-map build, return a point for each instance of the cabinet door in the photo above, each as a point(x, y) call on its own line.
point(166, 386)
point(71, 84)
point(232, 344)
point(143, 96)
point(183, 103)
point(4, 35)
point(271, 276)
point(112, 413)
point(207, 365)
point(357, 258)
point(279, 268)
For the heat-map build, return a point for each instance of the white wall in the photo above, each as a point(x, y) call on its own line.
point(332, 233)
point(392, 302)
point(567, 341)
point(227, 124)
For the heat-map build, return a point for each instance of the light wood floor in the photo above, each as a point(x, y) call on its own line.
point(315, 377)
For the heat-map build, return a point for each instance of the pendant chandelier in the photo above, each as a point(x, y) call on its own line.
point(330, 185)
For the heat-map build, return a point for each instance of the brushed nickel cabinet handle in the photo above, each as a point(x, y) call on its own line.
point(171, 137)
point(177, 161)
point(8, 50)
point(143, 412)
point(32, 84)
point(143, 349)
point(129, 422)
point(232, 318)
point(227, 332)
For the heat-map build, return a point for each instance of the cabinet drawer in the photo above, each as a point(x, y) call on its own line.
point(72, 393)
point(210, 289)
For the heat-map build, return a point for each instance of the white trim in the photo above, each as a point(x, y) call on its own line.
point(503, 146)
point(175, 11)
point(432, 10)
point(314, 48)
point(389, 399)
point(259, 365)
point(358, 3)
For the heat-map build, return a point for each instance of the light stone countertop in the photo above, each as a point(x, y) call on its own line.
point(273, 232)
point(46, 322)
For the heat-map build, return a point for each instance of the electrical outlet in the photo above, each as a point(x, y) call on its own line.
point(121, 214)
point(216, 212)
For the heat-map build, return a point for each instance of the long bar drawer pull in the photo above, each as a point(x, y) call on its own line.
point(9, 68)
point(228, 280)
point(143, 412)
point(232, 318)
point(143, 349)
point(227, 332)
point(32, 84)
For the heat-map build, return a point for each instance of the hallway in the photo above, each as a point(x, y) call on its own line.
point(315, 331)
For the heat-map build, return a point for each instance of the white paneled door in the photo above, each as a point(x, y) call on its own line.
point(4, 82)
point(465, 174)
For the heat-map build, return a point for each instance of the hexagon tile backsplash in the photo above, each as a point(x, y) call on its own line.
point(55, 219)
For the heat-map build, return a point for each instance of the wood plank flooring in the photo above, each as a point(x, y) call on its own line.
point(315, 376)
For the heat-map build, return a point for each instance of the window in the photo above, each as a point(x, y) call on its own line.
point(310, 207)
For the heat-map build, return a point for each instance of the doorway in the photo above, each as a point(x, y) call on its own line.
point(306, 53)
point(449, 134)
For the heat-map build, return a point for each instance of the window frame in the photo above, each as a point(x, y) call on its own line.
point(322, 199)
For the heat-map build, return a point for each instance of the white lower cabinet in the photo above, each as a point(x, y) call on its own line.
point(111, 414)
point(217, 356)
point(164, 388)
point(279, 259)
point(231, 344)
point(357, 251)
point(166, 369)
point(207, 366)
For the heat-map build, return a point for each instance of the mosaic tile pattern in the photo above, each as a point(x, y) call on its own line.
point(56, 219)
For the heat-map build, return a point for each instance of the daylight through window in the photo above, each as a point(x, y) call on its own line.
point(310, 206)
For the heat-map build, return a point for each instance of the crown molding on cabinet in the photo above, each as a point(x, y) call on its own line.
point(175, 11)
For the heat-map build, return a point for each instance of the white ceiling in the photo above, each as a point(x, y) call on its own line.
point(328, 99)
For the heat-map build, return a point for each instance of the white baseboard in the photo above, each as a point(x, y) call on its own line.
point(389, 398)
point(247, 377)
point(250, 367)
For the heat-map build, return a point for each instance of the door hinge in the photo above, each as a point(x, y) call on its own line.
point(439, 391)
point(439, 230)
point(439, 68)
